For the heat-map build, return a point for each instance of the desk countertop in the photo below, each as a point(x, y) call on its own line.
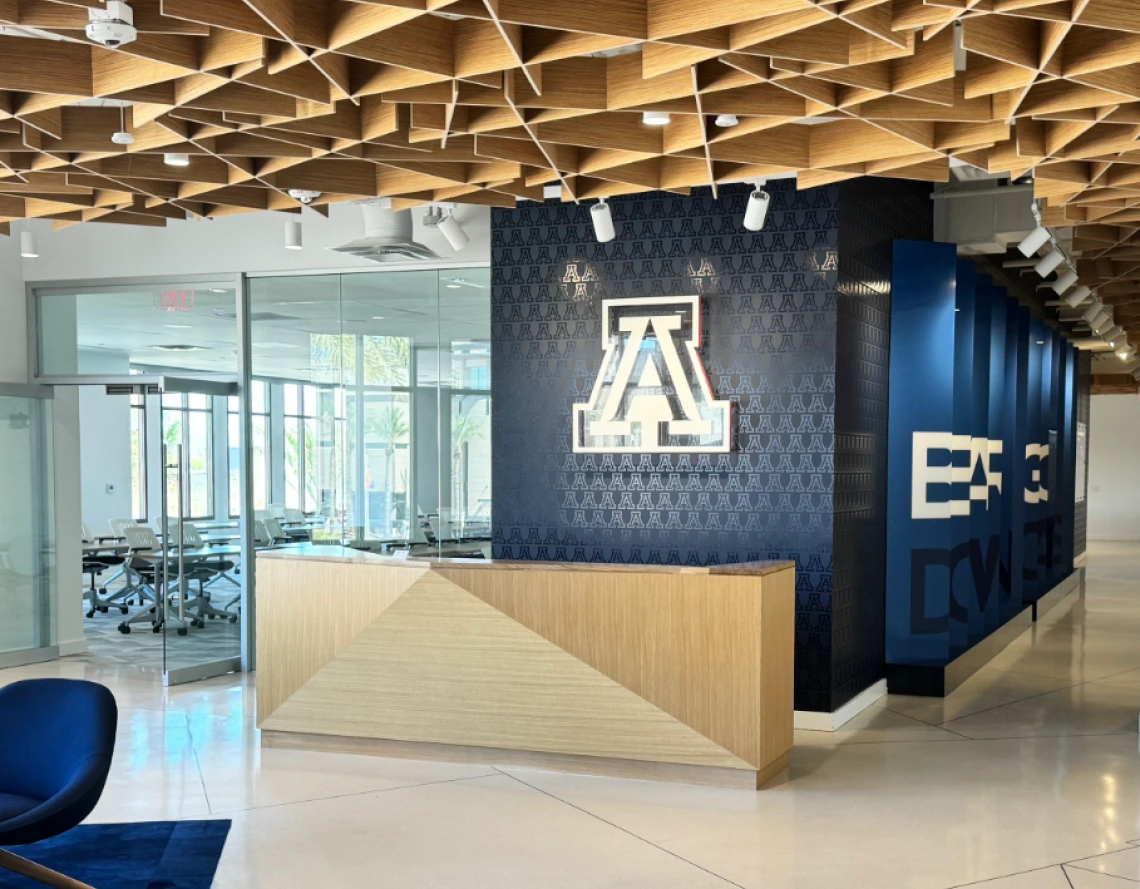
point(342, 554)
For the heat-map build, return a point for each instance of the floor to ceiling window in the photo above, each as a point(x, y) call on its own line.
point(383, 381)
point(259, 395)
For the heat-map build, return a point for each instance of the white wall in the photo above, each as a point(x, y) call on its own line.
point(104, 445)
point(1114, 471)
point(252, 242)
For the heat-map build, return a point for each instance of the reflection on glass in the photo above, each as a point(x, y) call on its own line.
point(187, 420)
point(151, 329)
point(379, 394)
point(138, 458)
point(27, 544)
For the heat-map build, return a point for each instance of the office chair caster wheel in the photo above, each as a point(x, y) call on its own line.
point(123, 609)
point(197, 624)
point(182, 631)
point(103, 609)
point(233, 620)
point(90, 613)
point(124, 628)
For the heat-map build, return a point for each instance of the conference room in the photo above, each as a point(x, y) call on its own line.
point(327, 409)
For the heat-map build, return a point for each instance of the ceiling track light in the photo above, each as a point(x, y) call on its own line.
point(1078, 296)
point(1064, 281)
point(1114, 335)
point(1037, 238)
point(28, 244)
point(293, 235)
point(1101, 323)
point(603, 221)
point(1136, 375)
point(451, 229)
point(1125, 352)
point(1049, 262)
point(176, 159)
point(1091, 311)
point(756, 213)
point(655, 118)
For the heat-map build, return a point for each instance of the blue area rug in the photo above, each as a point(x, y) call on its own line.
point(144, 855)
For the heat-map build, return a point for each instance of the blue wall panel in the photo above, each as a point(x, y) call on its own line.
point(981, 466)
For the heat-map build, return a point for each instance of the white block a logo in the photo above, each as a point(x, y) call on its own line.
point(652, 394)
point(1035, 456)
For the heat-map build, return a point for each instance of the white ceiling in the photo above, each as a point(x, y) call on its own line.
point(432, 308)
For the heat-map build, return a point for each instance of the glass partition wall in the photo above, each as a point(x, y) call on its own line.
point(369, 426)
point(379, 387)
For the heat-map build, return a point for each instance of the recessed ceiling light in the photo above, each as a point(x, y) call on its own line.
point(218, 290)
point(176, 159)
point(452, 286)
point(655, 118)
point(177, 326)
point(377, 317)
point(727, 120)
point(1041, 342)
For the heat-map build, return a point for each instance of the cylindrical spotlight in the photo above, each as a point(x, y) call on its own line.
point(1064, 281)
point(176, 159)
point(1125, 352)
point(1078, 296)
point(655, 118)
point(1136, 375)
point(1034, 241)
point(1049, 262)
point(726, 120)
point(28, 244)
point(1092, 310)
point(293, 233)
point(603, 222)
point(1101, 322)
point(1114, 335)
point(757, 211)
point(454, 232)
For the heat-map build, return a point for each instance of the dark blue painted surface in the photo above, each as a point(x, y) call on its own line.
point(967, 361)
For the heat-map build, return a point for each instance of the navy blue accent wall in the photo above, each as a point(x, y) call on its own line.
point(773, 303)
point(769, 344)
point(872, 214)
point(983, 402)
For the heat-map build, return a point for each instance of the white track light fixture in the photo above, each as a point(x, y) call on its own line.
point(1091, 311)
point(1136, 375)
point(603, 221)
point(1101, 322)
point(1064, 281)
point(1115, 335)
point(1037, 238)
point(1034, 241)
point(176, 159)
point(1049, 262)
point(293, 237)
point(28, 244)
point(1125, 352)
point(724, 121)
point(453, 231)
point(756, 213)
point(1078, 296)
point(655, 118)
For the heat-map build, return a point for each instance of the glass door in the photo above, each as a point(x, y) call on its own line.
point(27, 526)
point(199, 571)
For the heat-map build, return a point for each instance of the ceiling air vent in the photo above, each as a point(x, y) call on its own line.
point(387, 236)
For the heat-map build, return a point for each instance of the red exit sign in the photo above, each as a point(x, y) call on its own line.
point(175, 301)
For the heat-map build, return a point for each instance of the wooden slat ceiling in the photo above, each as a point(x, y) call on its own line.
point(487, 101)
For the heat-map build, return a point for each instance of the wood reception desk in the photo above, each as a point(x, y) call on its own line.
point(644, 671)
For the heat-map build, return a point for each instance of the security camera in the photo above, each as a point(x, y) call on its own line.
point(303, 195)
point(113, 26)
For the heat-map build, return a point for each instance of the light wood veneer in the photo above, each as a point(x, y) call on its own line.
point(658, 672)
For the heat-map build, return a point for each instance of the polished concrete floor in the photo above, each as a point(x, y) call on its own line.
point(1028, 777)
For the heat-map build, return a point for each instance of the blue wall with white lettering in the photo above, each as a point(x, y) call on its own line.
point(981, 457)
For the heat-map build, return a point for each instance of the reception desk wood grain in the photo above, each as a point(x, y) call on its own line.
point(660, 672)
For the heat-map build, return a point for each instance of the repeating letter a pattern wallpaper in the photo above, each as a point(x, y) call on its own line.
point(768, 344)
